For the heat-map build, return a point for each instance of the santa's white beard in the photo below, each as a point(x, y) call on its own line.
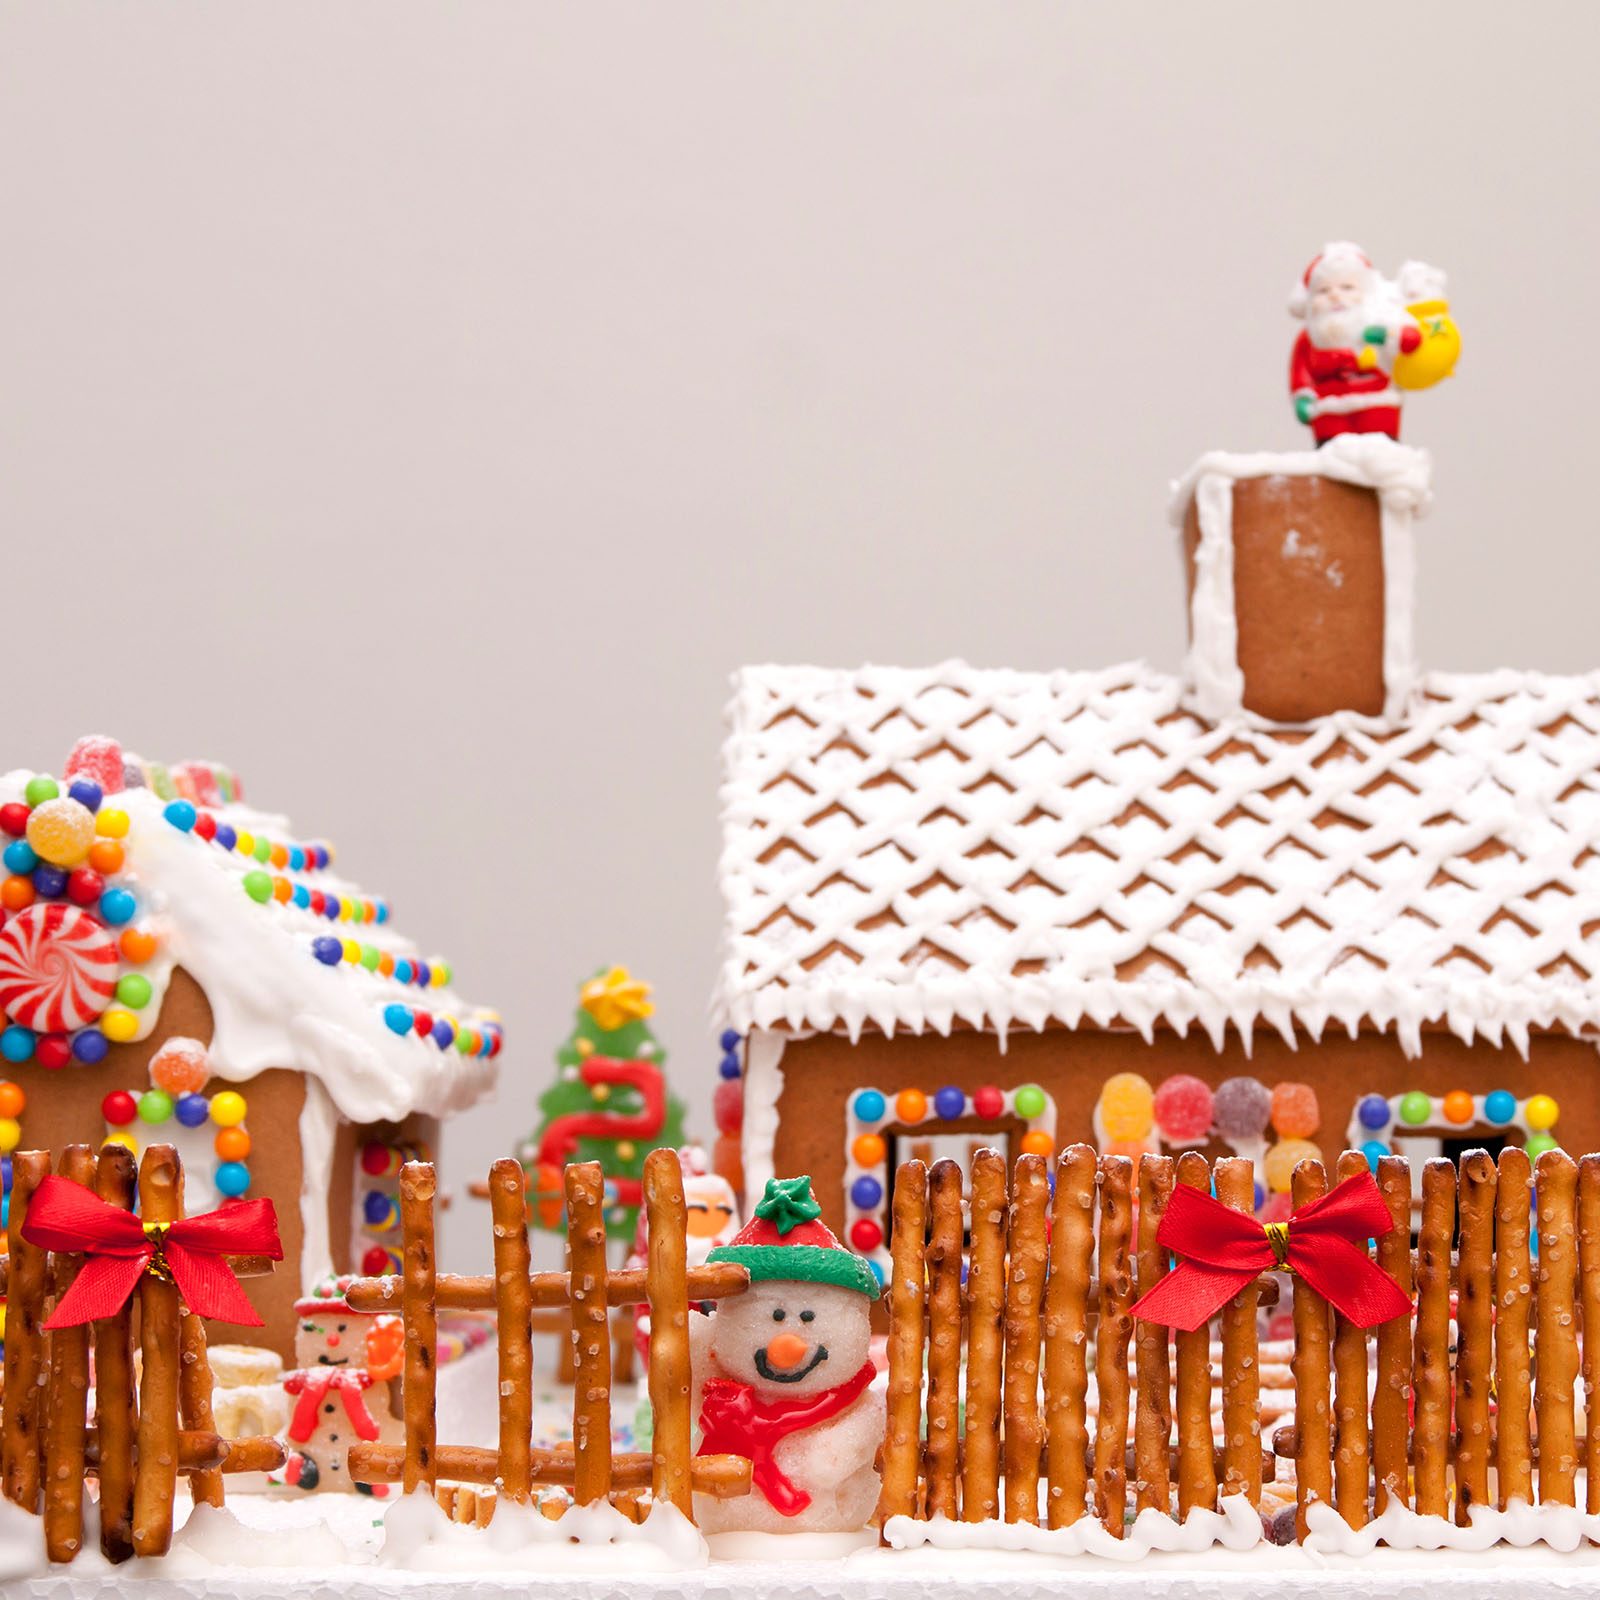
point(1339, 330)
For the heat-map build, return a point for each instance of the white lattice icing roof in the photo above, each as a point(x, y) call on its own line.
point(944, 847)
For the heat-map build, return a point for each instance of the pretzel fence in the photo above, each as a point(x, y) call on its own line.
point(588, 1469)
point(144, 1434)
point(1468, 1401)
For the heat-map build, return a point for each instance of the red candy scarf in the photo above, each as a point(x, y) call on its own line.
point(313, 1385)
point(734, 1422)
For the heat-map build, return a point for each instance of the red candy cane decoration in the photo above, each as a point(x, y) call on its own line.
point(560, 1142)
point(58, 968)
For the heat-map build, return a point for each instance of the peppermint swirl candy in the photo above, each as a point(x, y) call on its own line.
point(58, 968)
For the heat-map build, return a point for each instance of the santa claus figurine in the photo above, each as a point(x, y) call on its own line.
point(1357, 326)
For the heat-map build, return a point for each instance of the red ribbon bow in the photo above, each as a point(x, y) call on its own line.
point(120, 1249)
point(1325, 1242)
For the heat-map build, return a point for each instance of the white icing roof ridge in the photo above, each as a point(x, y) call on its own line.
point(925, 848)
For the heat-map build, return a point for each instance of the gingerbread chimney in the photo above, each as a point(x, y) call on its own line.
point(1300, 579)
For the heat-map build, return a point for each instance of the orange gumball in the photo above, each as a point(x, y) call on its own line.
point(1459, 1106)
point(12, 1100)
point(869, 1151)
point(232, 1144)
point(1037, 1143)
point(137, 945)
point(106, 856)
point(282, 889)
point(16, 893)
point(911, 1105)
point(279, 856)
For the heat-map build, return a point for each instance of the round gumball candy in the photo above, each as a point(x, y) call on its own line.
point(1499, 1106)
point(134, 991)
point(10, 1138)
point(90, 1046)
point(84, 886)
point(61, 832)
point(120, 1025)
point(54, 1050)
point(1295, 1113)
point(180, 1066)
point(19, 856)
point(727, 1106)
point(729, 1039)
point(1030, 1101)
point(14, 818)
point(328, 950)
point(1036, 1142)
point(866, 1193)
point(13, 1101)
point(1241, 1108)
point(1374, 1150)
point(119, 1108)
point(155, 1105)
point(1459, 1107)
point(231, 1144)
point(57, 968)
point(729, 1066)
point(137, 945)
point(1537, 1144)
point(1127, 1106)
point(950, 1102)
point(1373, 1112)
point(1183, 1109)
point(869, 1106)
point(1541, 1113)
point(911, 1105)
point(396, 1017)
point(205, 826)
point(868, 1151)
point(16, 1043)
point(181, 814)
point(865, 1234)
point(40, 790)
point(192, 1110)
point(86, 792)
point(1283, 1158)
point(117, 906)
point(232, 1179)
point(379, 1263)
point(17, 892)
point(258, 885)
point(112, 824)
point(379, 1159)
point(988, 1102)
point(50, 882)
point(1415, 1108)
point(228, 1108)
point(121, 1140)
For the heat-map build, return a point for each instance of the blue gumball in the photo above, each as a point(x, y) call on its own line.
point(192, 1110)
point(117, 906)
point(90, 1046)
point(1500, 1106)
point(729, 1066)
point(729, 1039)
point(20, 858)
point(397, 1018)
point(869, 1106)
point(866, 1193)
point(16, 1043)
point(1375, 1150)
point(233, 1178)
point(950, 1102)
point(1373, 1112)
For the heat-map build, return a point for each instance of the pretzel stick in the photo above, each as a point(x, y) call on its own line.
point(1474, 1332)
point(1066, 1337)
point(1430, 1358)
point(1313, 1459)
point(667, 1232)
point(986, 1297)
point(1391, 1393)
point(1556, 1339)
point(1513, 1295)
point(1111, 1345)
point(66, 1421)
point(160, 1315)
point(1241, 1355)
point(421, 1318)
point(944, 1338)
point(1589, 1287)
point(1350, 1466)
point(591, 1332)
point(902, 1440)
point(1024, 1290)
point(1197, 1472)
point(116, 1420)
point(513, 1326)
point(1152, 1350)
point(21, 1402)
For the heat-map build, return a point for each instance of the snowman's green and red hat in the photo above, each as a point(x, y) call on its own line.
point(785, 1243)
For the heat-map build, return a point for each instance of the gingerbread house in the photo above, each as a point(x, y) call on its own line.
point(178, 967)
point(1299, 892)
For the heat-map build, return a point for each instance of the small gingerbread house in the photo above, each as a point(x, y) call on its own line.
point(178, 967)
point(1299, 892)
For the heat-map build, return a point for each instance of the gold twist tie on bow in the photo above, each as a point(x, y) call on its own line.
point(1278, 1237)
point(156, 1233)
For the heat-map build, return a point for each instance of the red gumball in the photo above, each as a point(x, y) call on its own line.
point(53, 1050)
point(85, 886)
point(865, 1234)
point(119, 1108)
point(205, 825)
point(375, 1263)
point(14, 819)
point(727, 1105)
point(988, 1102)
point(423, 1023)
point(1183, 1109)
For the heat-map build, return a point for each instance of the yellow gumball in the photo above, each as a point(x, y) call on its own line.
point(1127, 1106)
point(111, 824)
point(2, 1322)
point(119, 1025)
point(1541, 1112)
point(1435, 358)
point(1284, 1157)
point(123, 1141)
point(227, 1108)
point(61, 831)
point(10, 1135)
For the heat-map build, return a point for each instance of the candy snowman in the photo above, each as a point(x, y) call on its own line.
point(340, 1394)
point(782, 1375)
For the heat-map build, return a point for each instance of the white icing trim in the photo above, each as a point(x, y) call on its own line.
point(318, 1124)
point(1340, 405)
point(1402, 479)
point(1562, 1528)
point(763, 1084)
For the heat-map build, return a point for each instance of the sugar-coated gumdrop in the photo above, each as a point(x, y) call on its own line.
point(61, 831)
point(1241, 1108)
point(1295, 1112)
point(98, 759)
point(1127, 1106)
point(1183, 1109)
point(727, 1105)
point(181, 1066)
point(1284, 1157)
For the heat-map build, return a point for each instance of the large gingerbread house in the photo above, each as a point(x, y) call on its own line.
point(1297, 892)
point(178, 967)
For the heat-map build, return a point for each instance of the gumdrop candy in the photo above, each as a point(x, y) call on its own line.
point(1295, 1113)
point(180, 1066)
point(727, 1159)
point(1183, 1109)
point(1283, 1158)
point(1127, 1106)
point(133, 776)
point(61, 831)
point(727, 1106)
point(201, 779)
point(1241, 1108)
point(99, 758)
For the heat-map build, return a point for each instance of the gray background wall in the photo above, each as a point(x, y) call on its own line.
point(425, 407)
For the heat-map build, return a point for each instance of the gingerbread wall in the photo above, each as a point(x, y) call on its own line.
point(821, 1073)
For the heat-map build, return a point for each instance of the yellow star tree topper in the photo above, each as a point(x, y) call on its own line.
point(615, 998)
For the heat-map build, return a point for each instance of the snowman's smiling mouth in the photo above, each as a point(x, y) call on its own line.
point(776, 1375)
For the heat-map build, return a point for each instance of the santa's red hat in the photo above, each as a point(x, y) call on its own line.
point(1338, 250)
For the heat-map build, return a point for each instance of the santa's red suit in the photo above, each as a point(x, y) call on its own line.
point(1343, 396)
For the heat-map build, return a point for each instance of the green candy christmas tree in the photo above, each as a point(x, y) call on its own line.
point(609, 1103)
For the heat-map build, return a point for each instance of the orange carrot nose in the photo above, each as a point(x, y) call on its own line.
point(787, 1350)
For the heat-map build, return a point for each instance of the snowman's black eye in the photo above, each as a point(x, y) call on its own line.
point(779, 1315)
point(808, 1316)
